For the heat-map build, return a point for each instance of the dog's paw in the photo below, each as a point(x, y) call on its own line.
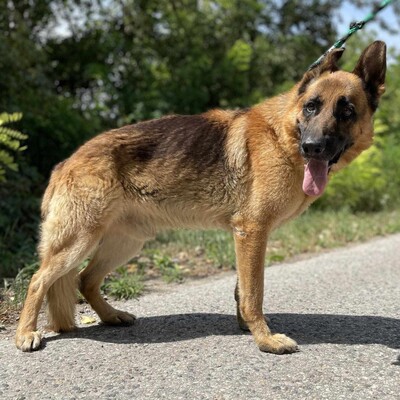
point(28, 341)
point(118, 318)
point(278, 344)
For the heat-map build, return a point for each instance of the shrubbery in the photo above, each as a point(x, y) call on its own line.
point(19, 201)
point(19, 219)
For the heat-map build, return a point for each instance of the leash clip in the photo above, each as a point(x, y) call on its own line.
point(357, 25)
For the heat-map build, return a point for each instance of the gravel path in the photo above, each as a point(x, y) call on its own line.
point(343, 308)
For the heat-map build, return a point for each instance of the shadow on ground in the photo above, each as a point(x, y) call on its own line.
point(304, 328)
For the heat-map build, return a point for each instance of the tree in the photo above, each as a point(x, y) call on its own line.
point(56, 126)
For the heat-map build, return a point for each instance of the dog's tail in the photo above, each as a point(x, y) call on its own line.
point(61, 301)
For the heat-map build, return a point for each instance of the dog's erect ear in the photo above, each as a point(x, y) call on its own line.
point(371, 68)
point(328, 64)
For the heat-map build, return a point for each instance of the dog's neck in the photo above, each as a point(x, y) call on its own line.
point(279, 113)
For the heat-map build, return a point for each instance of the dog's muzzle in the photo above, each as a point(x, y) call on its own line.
point(313, 148)
point(326, 148)
point(320, 153)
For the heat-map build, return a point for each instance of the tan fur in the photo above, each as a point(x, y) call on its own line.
point(235, 170)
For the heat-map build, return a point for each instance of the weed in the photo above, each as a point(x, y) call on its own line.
point(170, 271)
point(124, 285)
point(21, 282)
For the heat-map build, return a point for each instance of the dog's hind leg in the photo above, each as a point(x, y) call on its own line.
point(57, 271)
point(115, 249)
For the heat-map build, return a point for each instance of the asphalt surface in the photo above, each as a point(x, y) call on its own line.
point(343, 308)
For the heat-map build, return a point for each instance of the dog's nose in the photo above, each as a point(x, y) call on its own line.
point(313, 148)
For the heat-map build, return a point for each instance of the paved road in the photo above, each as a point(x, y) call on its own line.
point(343, 308)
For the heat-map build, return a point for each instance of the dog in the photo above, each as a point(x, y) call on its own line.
point(246, 171)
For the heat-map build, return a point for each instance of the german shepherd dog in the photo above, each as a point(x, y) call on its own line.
point(246, 171)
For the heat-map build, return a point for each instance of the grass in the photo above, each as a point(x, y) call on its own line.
point(210, 244)
point(312, 232)
point(176, 255)
point(123, 285)
point(170, 271)
point(318, 230)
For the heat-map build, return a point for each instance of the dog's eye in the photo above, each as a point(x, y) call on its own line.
point(347, 112)
point(310, 107)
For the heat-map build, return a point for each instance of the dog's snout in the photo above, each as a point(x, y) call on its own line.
point(313, 148)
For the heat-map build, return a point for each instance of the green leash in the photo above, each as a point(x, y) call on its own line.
point(354, 27)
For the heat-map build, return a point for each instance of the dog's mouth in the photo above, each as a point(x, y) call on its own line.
point(315, 177)
point(316, 174)
point(319, 158)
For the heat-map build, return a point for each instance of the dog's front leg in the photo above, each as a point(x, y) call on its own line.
point(250, 246)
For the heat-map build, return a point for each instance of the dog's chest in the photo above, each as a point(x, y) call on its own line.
point(288, 199)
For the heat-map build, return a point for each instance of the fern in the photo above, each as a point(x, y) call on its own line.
point(10, 142)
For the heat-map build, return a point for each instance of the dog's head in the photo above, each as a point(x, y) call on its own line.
point(335, 109)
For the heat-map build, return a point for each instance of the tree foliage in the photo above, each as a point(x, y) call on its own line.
point(76, 67)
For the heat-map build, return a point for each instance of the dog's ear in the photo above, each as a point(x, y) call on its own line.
point(371, 68)
point(328, 64)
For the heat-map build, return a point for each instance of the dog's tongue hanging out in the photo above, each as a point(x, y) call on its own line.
point(315, 177)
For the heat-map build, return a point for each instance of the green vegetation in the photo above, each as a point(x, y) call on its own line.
point(169, 270)
point(123, 285)
point(121, 62)
point(370, 183)
point(10, 140)
point(312, 232)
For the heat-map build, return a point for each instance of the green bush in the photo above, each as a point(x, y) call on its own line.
point(391, 168)
point(19, 219)
point(19, 207)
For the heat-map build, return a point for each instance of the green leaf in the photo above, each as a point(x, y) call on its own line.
point(11, 140)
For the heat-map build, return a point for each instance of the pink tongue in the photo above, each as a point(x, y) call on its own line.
point(315, 177)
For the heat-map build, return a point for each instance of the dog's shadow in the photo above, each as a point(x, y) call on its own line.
point(305, 328)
